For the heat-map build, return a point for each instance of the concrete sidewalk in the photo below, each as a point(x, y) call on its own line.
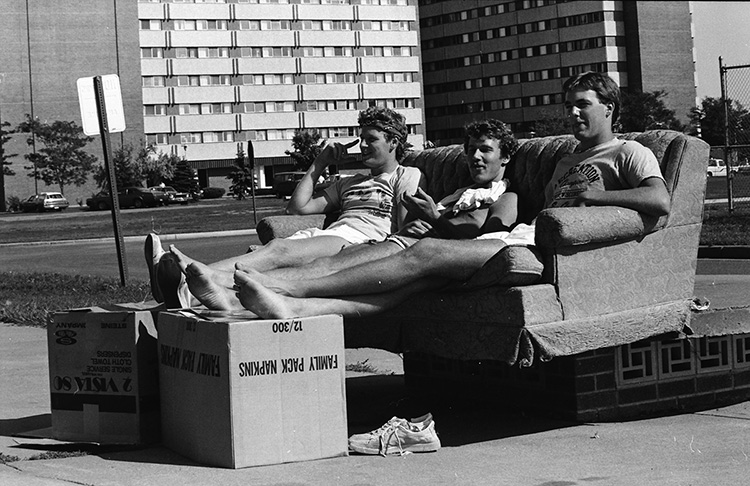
point(480, 445)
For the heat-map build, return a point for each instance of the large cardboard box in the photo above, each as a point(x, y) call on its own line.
point(104, 372)
point(238, 392)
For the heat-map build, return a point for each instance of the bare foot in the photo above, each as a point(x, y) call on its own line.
point(262, 301)
point(283, 287)
point(171, 282)
point(202, 285)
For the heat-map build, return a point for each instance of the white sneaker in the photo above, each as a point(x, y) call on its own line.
point(398, 436)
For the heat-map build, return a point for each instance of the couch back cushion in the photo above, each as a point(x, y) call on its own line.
point(531, 168)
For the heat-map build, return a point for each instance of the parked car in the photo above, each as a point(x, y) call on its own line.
point(137, 197)
point(173, 196)
point(284, 183)
point(44, 201)
point(717, 167)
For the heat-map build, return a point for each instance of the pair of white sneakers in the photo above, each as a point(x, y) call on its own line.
point(398, 436)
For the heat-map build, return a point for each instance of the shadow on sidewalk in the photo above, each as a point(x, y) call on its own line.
point(14, 426)
point(459, 420)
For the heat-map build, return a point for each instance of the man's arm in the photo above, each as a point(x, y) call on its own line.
point(650, 197)
point(304, 200)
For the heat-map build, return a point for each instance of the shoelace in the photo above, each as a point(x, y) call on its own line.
point(391, 428)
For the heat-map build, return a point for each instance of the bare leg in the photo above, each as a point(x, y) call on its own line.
point(323, 266)
point(285, 253)
point(448, 259)
point(270, 305)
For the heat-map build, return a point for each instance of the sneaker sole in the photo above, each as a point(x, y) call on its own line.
point(394, 450)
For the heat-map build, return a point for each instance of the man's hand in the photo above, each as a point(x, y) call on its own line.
point(334, 153)
point(421, 206)
point(418, 229)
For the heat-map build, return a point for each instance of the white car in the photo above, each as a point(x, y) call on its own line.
point(717, 167)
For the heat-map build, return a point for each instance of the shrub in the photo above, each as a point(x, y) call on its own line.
point(13, 204)
point(213, 192)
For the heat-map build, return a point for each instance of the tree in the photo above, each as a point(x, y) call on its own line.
point(145, 167)
point(61, 160)
point(708, 120)
point(306, 148)
point(551, 123)
point(185, 178)
point(5, 157)
point(641, 111)
point(242, 176)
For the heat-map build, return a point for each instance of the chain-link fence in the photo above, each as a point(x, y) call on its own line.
point(732, 169)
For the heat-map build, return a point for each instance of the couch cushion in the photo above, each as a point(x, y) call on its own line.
point(513, 265)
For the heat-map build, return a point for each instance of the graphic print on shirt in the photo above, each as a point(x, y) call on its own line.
point(374, 197)
point(576, 180)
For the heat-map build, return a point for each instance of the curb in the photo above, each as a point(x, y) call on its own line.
point(171, 237)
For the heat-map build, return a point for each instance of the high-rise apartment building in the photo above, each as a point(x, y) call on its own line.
point(217, 74)
point(508, 59)
point(201, 78)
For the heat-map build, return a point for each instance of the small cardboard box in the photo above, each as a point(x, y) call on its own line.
point(238, 392)
point(104, 375)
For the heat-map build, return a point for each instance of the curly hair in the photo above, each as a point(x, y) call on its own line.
point(492, 128)
point(606, 88)
point(392, 123)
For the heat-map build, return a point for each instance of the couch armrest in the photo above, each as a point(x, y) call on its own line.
point(282, 226)
point(557, 227)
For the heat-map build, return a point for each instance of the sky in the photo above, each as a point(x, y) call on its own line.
point(720, 29)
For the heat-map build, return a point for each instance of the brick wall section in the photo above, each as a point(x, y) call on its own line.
point(602, 385)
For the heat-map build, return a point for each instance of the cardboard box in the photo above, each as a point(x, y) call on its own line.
point(238, 392)
point(104, 372)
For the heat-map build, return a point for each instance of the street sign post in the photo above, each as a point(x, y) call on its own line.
point(102, 113)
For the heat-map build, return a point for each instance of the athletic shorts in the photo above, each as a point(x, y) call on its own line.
point(347, 233)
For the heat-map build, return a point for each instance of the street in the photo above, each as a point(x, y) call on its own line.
point(99, 257)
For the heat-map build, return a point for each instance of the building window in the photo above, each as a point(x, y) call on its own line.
point(313, 52)
point(371, 25)
point(189, 109)
point(254, 107)
point(184, 25)
point(274, 25)
point(249, 25)
point(371, 51)
point(213, 52)
point(157, 139)
point(154, 110)
point(338, 51)
point(337, 25)
point(279, 106)
point(278, 79)
point(396, 51)
point(153, 81)
point(215, 108)
point(186, 52)
point(277, 52)
point(339, 78)
point(152, 53)
point(257, 135)
point(214, 137)
point(251, 52)
point(211, 25)
point(338, 105)
point(193, 137)
point(315, 78)
point(188, 81)
point(150, 24)
point(396, 25)
point(312, 25)
point(215, 80)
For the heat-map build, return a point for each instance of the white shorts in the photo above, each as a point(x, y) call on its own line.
point(351, 235)
point(523, 234)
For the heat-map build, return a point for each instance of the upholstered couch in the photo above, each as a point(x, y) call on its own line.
point(598, 277)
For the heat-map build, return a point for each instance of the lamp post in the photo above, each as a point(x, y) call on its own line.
point(2, 160)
